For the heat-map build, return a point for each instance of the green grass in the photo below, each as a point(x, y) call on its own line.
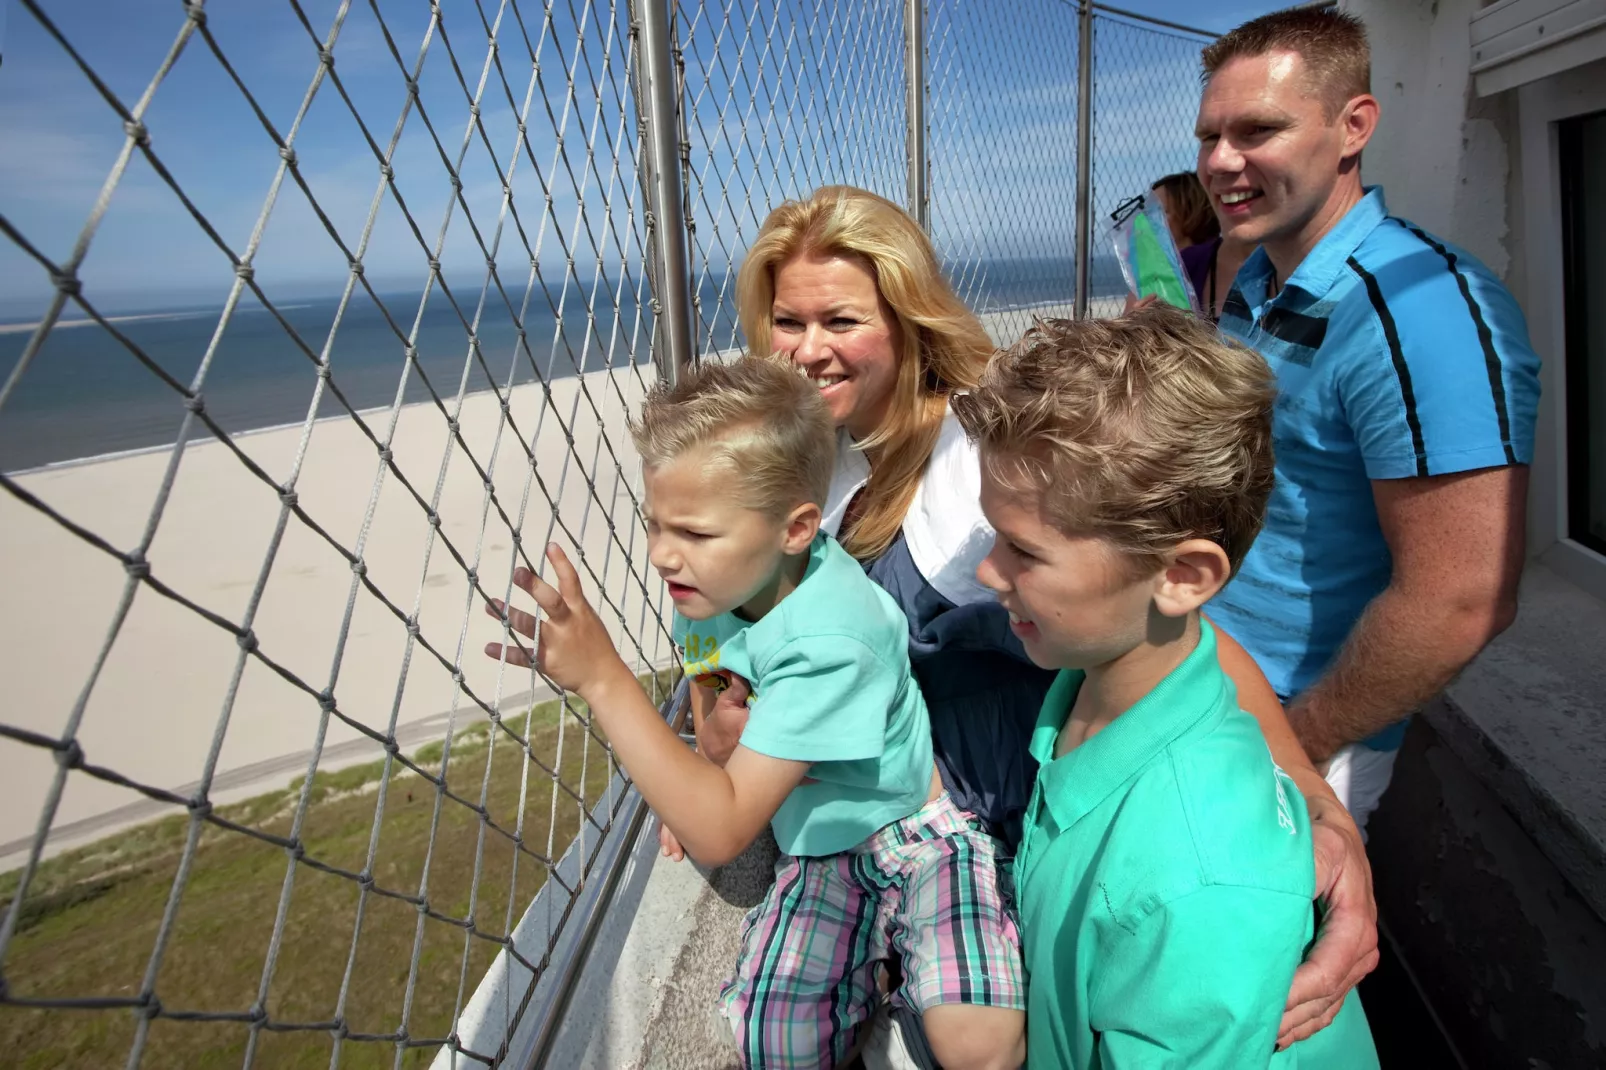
point(89, 922)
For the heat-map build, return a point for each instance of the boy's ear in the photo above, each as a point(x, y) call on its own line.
point(1192, 575)
point(802, 524)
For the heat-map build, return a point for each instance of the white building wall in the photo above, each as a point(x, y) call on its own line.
point(1444, 157)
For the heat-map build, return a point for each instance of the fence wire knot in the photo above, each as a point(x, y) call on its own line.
point(70, 756)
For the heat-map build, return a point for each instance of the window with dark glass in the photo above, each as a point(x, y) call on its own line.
point(1583, 176)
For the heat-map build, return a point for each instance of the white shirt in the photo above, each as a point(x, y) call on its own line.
point(945, 530)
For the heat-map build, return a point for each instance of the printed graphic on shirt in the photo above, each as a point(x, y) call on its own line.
point(1285, 812)
point(702, 654)
point(702, 664)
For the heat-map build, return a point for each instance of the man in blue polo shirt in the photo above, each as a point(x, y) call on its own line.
point(1404, 427)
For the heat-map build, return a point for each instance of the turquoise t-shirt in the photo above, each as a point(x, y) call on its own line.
point(1165, 884)
point(829, 669)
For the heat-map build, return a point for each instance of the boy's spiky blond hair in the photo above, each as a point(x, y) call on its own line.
point(1146, 430)
point(759, 419)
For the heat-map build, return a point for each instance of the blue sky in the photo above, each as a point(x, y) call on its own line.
point(61, 138)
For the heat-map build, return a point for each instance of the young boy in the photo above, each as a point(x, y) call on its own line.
point(836, 756)
point(1165, 878)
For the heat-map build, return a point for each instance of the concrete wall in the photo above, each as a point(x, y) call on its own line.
point(1445, 158)
point(1499, 942)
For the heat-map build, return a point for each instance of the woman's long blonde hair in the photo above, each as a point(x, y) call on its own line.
point(944, 345)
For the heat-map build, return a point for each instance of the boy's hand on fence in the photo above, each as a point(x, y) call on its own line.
point(572, 648)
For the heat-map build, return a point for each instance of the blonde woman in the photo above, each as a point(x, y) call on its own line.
point(848, 285)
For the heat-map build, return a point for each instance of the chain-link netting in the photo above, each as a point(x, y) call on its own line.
point(249, 530)
point(191, 623)
point(1145, 101)
point(1003, 145)
point(778, 100)
point(1002, 118)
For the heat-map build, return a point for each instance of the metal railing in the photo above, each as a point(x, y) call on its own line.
point(440, 269)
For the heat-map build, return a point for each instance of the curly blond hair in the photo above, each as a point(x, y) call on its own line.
point(1145, 430)
point(944, 345)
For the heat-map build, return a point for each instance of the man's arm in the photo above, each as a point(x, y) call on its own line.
point(1457, 543)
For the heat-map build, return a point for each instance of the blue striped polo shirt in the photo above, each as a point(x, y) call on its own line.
point(1397, 355)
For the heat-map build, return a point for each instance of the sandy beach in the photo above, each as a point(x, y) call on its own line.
point(161, 697)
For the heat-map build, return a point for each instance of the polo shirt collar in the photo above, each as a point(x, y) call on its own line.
point(1322, 266)
point(1072, 786)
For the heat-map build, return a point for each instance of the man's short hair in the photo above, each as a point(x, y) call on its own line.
point(1338, 60)
point(767, 430)
point(1146, 430)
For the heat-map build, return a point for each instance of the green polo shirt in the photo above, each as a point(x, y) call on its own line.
point(1165, 883)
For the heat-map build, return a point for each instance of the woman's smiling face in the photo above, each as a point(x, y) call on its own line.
point(829, 316)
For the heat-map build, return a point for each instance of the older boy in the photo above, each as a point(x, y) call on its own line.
point(1165, 875)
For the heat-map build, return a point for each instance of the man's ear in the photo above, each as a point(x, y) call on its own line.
point(1192, 575)
point(1360, 118)
point(802, 524)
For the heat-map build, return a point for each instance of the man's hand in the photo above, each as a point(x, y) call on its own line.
point(572, 647)
point(1134, 302)
point(722, 727)
point(1346, 944)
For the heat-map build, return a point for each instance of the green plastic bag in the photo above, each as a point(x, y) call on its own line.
point(1148, 257)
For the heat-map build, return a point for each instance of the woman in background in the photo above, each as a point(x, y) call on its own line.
point(1211, 261)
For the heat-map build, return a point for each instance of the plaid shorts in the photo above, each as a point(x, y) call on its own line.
point(924, 891)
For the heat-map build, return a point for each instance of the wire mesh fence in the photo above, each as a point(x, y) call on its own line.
point(1145, 101)
point(452, 396)
point(780, 99)
point(1003, 97)
point(267, 802)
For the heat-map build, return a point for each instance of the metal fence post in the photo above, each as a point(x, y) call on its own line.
point(914, 68)
point(659, 111)
point(1084, 154)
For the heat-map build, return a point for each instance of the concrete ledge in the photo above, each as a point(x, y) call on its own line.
point(1528, 718)
point(1501, 947)
point(646, 997)
point(1489, 849)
